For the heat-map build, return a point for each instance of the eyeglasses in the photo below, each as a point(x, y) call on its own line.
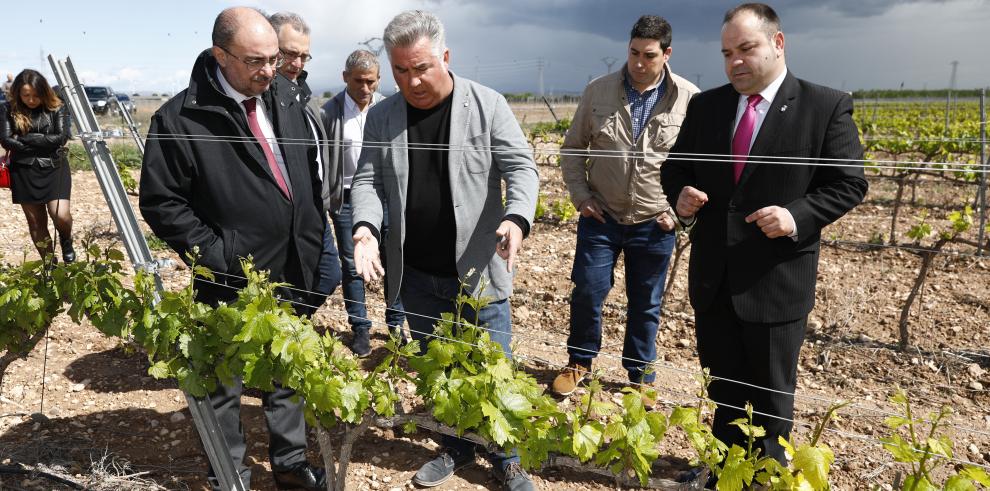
point(288, 56)
point(258, 63)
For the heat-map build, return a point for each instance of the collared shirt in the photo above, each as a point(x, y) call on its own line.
point(641, 105)
point(762, 108)
point(261, 112)
point(761, 114)
point(353, 135)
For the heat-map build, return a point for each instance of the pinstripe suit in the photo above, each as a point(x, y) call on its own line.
point(752, 294)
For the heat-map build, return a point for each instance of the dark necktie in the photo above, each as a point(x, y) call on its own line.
point(744, 135)
point(252, 117)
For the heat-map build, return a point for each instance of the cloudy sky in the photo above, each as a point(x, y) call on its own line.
point(847, 44)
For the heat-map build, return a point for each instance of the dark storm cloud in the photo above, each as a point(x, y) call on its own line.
point(696, 20)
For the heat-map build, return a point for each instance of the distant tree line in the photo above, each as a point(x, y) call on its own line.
point(912, 94)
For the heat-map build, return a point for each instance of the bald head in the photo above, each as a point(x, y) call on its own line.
point(245, 46)
point(243, 21)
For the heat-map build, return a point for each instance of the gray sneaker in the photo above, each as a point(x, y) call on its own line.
point(441, 469)
point(513, 477)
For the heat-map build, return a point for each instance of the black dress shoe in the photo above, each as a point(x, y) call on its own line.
point(302, 476)
point(68, 253)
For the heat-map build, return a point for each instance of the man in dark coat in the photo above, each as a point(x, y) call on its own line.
point(293, 44)
point(757, 222)
point(240, 193)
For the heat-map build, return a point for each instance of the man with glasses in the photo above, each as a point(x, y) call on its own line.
point(344, 118)
point(293, 46)
point(219, 179)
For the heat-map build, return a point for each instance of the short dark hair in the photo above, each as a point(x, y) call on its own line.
point(652, 27)
point(225, 26)
point(765, 13)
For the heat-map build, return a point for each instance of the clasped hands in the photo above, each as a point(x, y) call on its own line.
point(774, 221)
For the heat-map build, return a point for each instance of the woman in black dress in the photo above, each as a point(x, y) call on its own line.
point(34, 127)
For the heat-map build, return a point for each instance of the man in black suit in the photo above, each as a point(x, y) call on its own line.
point(757, 222)
point(240, 193)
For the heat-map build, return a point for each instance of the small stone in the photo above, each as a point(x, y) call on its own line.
point(78, 387)
point(914, 360)
point(863, 338)
point(154, 423)
point(175, 443)
point(177, 417)
point(975, 370)
point(974, 385)
point(684, 343)
point(814, 325)
point(376, 460)
point(973, 449)
point(387, 479)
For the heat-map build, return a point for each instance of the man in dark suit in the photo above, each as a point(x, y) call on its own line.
point(757, 222)
point(242, 193)
point(293, 45)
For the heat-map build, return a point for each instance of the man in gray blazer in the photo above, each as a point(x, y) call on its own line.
point(344, 116)
point(436, 155)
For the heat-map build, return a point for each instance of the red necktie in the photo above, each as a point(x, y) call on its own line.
point(252, 117)
point(743, 136)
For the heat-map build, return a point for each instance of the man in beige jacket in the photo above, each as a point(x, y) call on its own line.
point(625, 125)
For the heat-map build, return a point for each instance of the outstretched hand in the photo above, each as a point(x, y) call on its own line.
point(366, 257)
point(510, 238)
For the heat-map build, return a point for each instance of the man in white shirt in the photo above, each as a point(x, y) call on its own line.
point(757, 219)
point(343, 117)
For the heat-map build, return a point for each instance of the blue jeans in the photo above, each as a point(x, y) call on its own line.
point(353, 285)
point(426, 297)
point(328, 269)
point(647, 251)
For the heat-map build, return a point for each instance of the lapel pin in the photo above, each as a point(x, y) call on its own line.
point(783, 108)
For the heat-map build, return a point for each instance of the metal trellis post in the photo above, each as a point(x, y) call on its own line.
point(982, 176)
point(137, 249)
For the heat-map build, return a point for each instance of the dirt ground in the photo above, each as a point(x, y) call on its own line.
point(103, 408)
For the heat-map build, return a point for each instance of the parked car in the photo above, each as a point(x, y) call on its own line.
point(127, 103)
point(100, 99)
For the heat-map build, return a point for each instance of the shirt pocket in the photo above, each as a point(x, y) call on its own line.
point(667, 127)
point(604, 125)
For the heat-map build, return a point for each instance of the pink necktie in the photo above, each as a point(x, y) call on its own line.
point(252, 117)
point(743, 136)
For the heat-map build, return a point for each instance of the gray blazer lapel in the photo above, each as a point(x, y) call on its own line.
point(397, 126)
point(460, 117)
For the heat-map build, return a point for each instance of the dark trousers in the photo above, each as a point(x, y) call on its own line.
point(352, 286)
point(647, 251)
point(764, 355)
point(329, 270)
point(286, 428)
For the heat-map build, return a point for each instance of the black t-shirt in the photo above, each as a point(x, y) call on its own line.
point(430, 225)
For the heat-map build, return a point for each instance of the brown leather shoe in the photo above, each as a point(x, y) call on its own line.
point(570, 377)
point(649, 396)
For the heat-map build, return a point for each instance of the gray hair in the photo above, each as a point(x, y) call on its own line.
point(293, 19)
point(362, 60)
point(409, 27)
point(226, 24)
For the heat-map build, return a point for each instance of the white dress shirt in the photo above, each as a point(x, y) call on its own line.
point(761, 109)
point(761, 114)
point(352, 136)
point(266, 126)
